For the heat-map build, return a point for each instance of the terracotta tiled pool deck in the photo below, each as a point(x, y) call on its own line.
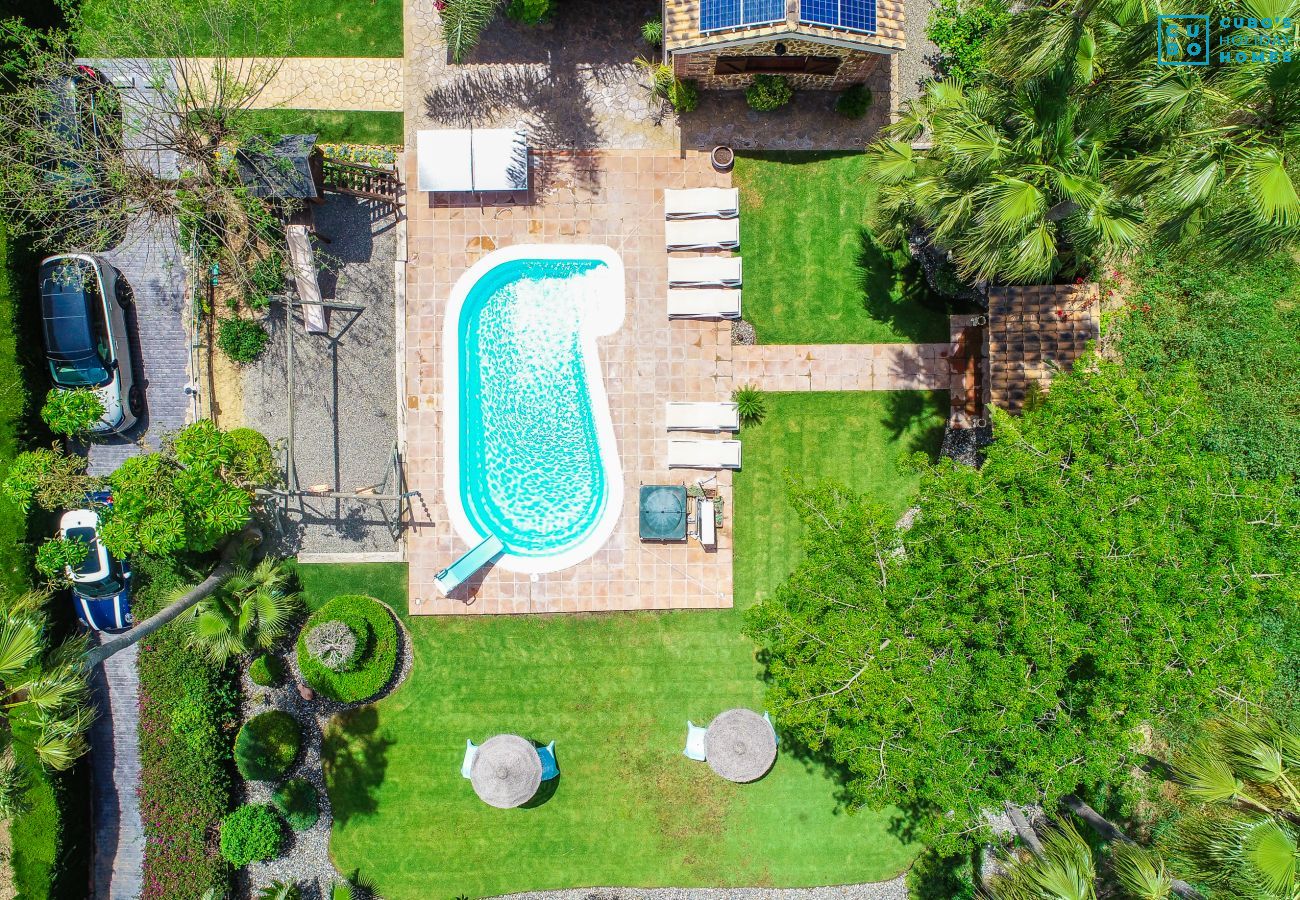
point(612, 198)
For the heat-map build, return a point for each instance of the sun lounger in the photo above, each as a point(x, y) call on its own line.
point(704, 271)
point(706, 525)
point(471, 753)
point(550, 768)
point(703, 416)
point(703, 454)
point(696, 742)
point(703, 303)
point(702, 234)
point(702, 203)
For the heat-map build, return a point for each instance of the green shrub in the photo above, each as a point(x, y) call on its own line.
point(267, 745)
point(531, 12)
point(769, 92)
point(72, 413)
point(266, 671)
point(251, 833)
point(854, 102)
point(684, 95)
point(298, 802)
point(750, 404)
point(266, 279)
point(253, 462)
point(57, 555)
point(242, 340)
point(375, 629)
point(652, 32)
point(961, 29)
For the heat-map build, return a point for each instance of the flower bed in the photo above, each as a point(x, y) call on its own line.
point(188, 709)
point(373, 666)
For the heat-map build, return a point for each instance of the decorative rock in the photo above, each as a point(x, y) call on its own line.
point(306, 693)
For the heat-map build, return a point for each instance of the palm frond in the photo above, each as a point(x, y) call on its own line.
point(1142, 874)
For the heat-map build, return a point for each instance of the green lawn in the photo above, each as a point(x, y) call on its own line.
point(310, 27)
point(813, 274)
point(332, 126)
point(614, 691)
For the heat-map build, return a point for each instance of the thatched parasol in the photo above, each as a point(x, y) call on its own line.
point(741, 745)
point(506, 772)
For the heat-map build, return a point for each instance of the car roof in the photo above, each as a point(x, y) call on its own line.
point(65, 311)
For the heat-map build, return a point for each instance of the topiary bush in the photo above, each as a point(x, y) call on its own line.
point(242, 340)
point(854, 102)
point(334, 645)
point(298, 802)
point(266, 671)
point(769, 92)
point(376, 656)
point(251, 833)
point(253, 462)
point(266, 746)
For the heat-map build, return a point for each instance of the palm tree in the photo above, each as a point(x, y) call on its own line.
point(280, 890)
point(44, 693)
point(251, 611)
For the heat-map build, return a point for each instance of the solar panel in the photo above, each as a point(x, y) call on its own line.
point(717, 14)
point(858, 15)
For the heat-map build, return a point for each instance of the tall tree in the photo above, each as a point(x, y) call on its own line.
point(1101, 572)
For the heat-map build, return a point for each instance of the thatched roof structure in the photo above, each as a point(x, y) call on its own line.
point(741, 745)
point(506, 772)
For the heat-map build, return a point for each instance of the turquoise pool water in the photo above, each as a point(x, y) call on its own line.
point(529, 456)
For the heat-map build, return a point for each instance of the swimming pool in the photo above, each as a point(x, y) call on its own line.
point(529, 453)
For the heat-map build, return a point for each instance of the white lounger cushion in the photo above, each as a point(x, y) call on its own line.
point(707, 524)
point(701, 202)
point(703, 416)
point(303, 263)
point(703, 454)
point(699, 234)
point(704, 271)
point(703, 303)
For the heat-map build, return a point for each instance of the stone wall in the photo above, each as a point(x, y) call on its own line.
point(856, 66)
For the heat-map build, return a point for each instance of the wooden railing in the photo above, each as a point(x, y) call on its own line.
point(370, 182)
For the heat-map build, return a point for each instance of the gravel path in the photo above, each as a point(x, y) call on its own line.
point(345, 398)
point(880, 890)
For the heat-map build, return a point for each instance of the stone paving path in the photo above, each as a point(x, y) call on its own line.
point(115, 766)
point(152, 263)
point(843, 367)
point(341, 82)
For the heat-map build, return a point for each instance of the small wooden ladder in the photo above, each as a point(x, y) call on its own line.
point(370, 182)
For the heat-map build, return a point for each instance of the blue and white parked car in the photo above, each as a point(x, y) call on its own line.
point(101, 585)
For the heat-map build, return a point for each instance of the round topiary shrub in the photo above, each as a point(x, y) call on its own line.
point(266, 671)
point(333, 644)
point(253, 462)
point(854, 102)
point(266, 746)
point(251, 833)
point(768, 92)
point(298, 802)
point(376, 655)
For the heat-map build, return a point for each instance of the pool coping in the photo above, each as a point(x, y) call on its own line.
point(608, 320)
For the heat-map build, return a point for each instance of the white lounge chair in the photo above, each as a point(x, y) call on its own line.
point(302, 260)
point(471, 753)
point(703, 303)
point(702, 234)
point(696, 742)
point(704, 271)
point(702, 203)
point(703, 416)
point(703, 454)
point(706, 523)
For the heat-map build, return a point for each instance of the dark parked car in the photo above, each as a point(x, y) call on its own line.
point(83, 299)
point(101, 585)
point(86, 113)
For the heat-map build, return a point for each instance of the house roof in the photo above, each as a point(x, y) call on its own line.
point(1036, 331)
point(682, 32)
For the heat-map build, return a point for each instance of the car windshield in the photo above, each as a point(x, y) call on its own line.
point(89, 565)
point(99, 589)
point(73, 324)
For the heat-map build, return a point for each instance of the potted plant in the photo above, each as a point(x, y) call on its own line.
point(723, 158)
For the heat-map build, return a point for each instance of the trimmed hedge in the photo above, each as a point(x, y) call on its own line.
point(376, 631)
point(188, 709)
point(266, 671)
point(298, 802)
point(251, 833)
point(267, 745)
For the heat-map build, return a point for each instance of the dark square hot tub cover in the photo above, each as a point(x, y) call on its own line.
point(663, 512)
